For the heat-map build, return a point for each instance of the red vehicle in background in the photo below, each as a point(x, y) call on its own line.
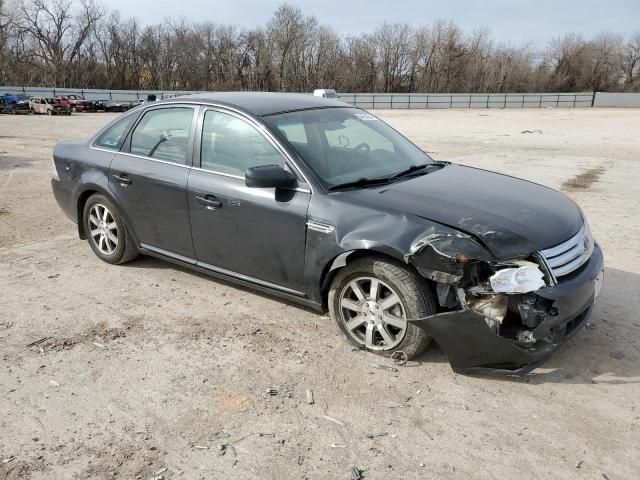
point(74, 102)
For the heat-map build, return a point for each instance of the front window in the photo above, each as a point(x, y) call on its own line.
point(231, 145)
point(344, 145)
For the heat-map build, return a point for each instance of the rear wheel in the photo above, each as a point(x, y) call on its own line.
point(371, 300)
point(106, 231)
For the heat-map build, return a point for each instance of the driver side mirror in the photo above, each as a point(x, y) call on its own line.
point(268, 176)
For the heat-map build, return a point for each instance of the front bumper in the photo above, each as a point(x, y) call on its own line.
point(472, 347)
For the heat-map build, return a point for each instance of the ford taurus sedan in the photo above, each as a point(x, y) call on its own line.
point(324, 204)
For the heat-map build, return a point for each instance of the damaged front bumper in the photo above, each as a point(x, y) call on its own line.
point(473, 347)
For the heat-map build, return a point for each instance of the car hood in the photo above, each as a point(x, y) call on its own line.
point(510, 216)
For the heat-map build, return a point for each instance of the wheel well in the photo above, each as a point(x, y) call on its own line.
point(328, 274)
point(82, 200)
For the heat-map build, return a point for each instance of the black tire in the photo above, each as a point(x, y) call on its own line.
point(125, 250)
point(415, 295)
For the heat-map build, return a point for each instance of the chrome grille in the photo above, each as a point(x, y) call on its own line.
point(570, 255)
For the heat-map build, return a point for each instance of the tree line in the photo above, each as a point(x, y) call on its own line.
point(63, 43)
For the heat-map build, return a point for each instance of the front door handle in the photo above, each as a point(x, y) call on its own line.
point(122, 179)
point(209, 201)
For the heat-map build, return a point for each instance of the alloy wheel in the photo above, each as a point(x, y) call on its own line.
point(103, 229)
point(373, 313)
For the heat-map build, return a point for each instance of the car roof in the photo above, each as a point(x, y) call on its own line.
point(262, 103)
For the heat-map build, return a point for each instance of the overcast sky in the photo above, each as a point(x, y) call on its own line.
point(515, 21)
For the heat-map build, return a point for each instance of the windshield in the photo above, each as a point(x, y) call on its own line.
point(343, 145)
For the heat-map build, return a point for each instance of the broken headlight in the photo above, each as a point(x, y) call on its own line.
point(524, 277)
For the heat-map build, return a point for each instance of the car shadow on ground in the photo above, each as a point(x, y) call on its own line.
point(8, 162)
point(148, 262)
point(607, 352)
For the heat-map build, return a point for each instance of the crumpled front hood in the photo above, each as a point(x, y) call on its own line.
point(512, 217)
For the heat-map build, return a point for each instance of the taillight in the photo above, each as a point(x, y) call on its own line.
point(54, 170)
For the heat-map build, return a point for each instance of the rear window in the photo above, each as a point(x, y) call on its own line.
point(163, 134)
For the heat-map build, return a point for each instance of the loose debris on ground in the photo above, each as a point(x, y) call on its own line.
point(583, 180)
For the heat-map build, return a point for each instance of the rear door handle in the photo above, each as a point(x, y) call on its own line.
point(122, 179)
point(209, 201)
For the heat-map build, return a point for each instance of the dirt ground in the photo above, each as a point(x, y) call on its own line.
point(150, 369)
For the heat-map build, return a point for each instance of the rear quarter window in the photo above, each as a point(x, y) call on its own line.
point(112, 138)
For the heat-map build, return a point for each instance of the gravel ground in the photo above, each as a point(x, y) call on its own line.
point(149, 368)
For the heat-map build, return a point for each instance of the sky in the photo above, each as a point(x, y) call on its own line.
point(510, 21)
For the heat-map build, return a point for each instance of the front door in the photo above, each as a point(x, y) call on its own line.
point(149, 178)
point(257, 233)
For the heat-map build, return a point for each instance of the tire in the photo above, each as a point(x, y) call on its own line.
point(49, 112)
point(415, 301)
point(120, 251)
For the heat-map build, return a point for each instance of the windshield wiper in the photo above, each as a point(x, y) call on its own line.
point(361, 182)
point(411, 169)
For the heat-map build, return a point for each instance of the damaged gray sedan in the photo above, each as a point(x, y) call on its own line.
point(326, 205)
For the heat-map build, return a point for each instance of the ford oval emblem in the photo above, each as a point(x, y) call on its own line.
point(585, 243)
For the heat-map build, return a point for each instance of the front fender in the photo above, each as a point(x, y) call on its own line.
point(426, 245)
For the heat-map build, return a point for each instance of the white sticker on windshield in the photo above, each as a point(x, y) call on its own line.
point(367, 117)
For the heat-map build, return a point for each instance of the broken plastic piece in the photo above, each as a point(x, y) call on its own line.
point(524, 279)
point(492, 307)
point(526, 337)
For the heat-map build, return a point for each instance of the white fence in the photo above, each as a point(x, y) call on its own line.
point(466, 100)
point(607, 99)
point(92, 94)
point(386, 100)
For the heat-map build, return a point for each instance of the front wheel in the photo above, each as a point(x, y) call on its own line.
point(106, 231)
point(372, 300)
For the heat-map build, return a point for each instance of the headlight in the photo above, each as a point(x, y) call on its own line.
point(524, 278)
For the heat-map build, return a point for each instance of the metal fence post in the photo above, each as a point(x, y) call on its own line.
point(540, 103)
point(392, 101)
point(593, 99)
point(558, 101)
point(522, 101)
point(373, 97)
point(409, 104)
point(451, 101)
point(505, 101)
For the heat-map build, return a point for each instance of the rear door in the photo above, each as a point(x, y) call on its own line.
point(149, 178)
point(254, 232)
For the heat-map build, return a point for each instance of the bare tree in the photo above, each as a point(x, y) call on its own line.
point(58, 33)
point(286, 29)
point(74, 43)
point(630, 59)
